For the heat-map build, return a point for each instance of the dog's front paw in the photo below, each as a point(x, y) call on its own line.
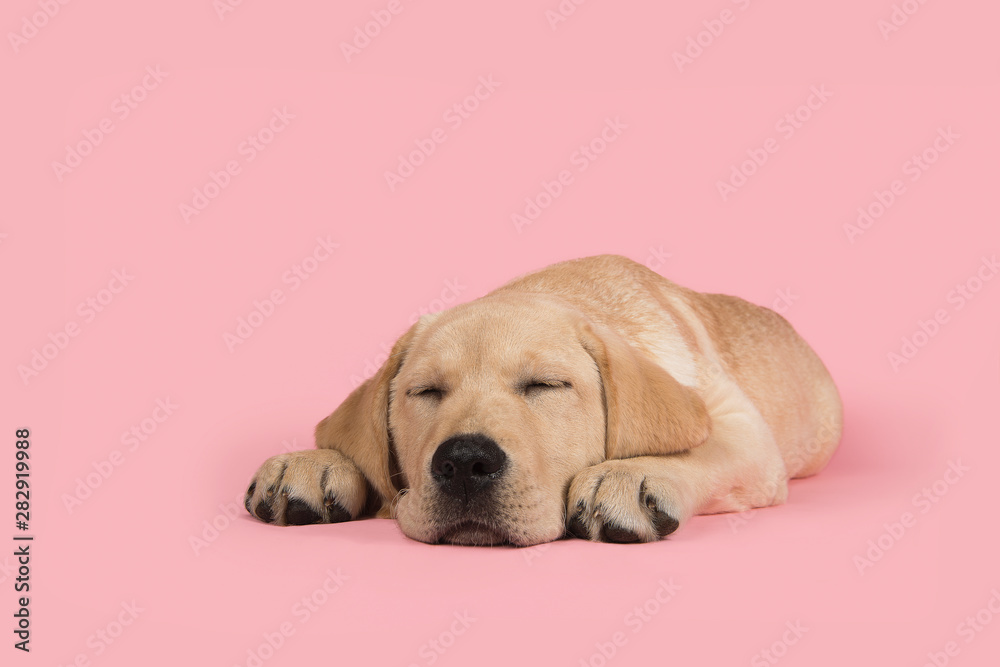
point(312, 486)
point(616, 501)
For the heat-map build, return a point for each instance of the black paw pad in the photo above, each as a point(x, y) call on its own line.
point(337, 513)
point(249, 495)
point(613, 533)
point(576, 525)
point(578, 528)
point(298, 513)
point(263, 512)
point(664, 523)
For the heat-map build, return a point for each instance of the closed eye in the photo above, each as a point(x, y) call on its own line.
point(426, 392)
point(538, 386)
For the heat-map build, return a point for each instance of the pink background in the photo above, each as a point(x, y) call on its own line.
point(654, 188)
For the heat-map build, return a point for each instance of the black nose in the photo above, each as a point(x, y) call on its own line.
point(466, 465)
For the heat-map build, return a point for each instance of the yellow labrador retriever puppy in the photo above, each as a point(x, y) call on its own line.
point(593, 397)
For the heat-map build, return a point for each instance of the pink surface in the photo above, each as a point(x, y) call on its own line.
point(808, 111)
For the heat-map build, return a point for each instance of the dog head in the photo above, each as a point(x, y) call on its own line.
point(478, 422)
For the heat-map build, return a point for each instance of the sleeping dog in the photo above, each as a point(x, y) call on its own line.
point(593, 398)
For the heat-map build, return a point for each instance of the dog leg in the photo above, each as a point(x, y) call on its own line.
point(311, 486)
point(645, 498)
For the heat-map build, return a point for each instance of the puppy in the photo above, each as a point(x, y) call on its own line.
point(593, 397)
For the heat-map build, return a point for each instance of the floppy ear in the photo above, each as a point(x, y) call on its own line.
point(359, 427)
point(648, 412)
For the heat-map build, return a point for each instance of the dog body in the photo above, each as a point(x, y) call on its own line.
point(593, 396)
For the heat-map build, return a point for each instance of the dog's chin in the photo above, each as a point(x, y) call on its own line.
point(473, 534)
